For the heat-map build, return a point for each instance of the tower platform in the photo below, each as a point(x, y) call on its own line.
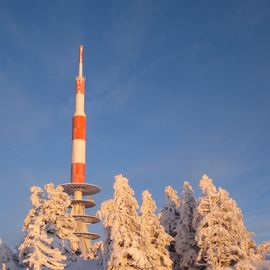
point(79, 203)
point(85, 203)
point(89, 219)
point(87, 235)
point(86, 189)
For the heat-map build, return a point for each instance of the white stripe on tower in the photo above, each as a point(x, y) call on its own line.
point(79, 129)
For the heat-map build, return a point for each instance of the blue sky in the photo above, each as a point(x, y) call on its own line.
point(175, 90)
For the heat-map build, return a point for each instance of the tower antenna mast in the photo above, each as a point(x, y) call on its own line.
point(78, 188)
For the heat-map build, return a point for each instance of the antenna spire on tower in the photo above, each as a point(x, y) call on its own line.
point(81, 62)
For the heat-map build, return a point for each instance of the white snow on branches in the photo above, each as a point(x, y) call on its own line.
point(221, 235)
point(122, 247)
point(185, 244)
point(49, 230)
point(169, 218)
point(156, 240)
point(206, 233)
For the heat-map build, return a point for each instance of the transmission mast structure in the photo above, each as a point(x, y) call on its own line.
point(78, 189)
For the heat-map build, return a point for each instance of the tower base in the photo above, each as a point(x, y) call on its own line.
point(78, 205)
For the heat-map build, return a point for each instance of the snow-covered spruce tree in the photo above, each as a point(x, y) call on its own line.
point(106, 214)
point(169, 217)
point(256, 254)
point(262, 251)
point(35, 251)
point(155, 239)
point(123, 242)
point(37, 200)
point(221, 235)
point(98, 248)
point(185, 244)
point(54, 228)
point(59, 224)
point(7, 257)
point(41, 254)
point(245, 265)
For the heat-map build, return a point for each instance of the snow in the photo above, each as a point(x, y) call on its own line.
point(185, 244)
point(221, 235)
point(5, 253)
point(155, 239)
point(122, 245)
point(49, 230)
point(265, 265)
point(169, 217)
point(85, 265)
point(170, 211)
point(137, 238)
point(80, 265)
point(6, 256)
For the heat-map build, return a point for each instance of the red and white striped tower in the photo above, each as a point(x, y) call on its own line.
point(78, 188)
point(79, 129)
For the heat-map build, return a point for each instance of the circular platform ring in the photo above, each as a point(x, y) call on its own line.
point(85, 203)
point(87, 189)
point(87, 235)
point(86, 219)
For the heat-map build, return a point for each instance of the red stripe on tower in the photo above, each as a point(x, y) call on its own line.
point(78, 172)
point(79, 128)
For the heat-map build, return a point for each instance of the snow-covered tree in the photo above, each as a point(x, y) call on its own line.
point(221, 235)
point(185, 244)
point(106, 214)
point(99, 250)
point(245, 265)
point(263, 250)
point(37, 200)
point(123, 241)
point(49, 230)
point(35, 251)
point(170, 211)
point(155, 239)
point(256, 254)
point(169, 216)
point(7, 257)
point(60, 225)
point(56, 217)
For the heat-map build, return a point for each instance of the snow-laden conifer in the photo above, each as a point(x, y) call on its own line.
point(7, 257)
point(255, 255)
point(221, 235)
point(245, 265)
point(123, 242)
point(60, 225)
point(56, 217)
point(263, 250)
point(185, 244)
point(169, 217)
point(170, 211)
point(39, 252)
point(37, 200)
point(106, 214)
point(155, 239)
point(35, 251)
point(49, 230)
